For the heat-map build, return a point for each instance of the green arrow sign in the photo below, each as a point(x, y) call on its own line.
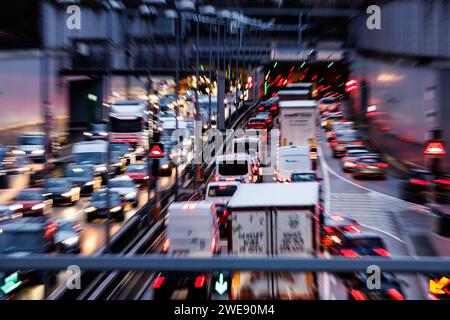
point(221, 286)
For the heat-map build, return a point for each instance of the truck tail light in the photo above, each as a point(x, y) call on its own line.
point(166, 246)
point(349, 253)
point(382, 165)
point(382, 252)
point(358, 295)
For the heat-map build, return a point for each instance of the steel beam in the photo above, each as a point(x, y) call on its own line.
point(164, 263)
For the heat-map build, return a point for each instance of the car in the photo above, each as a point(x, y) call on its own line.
point(32, 202)
point(193, 286)
point(337, 126)
point(222, 191)
point(31, 145)
point(97, 207)
point(138, 172)
point(68, 236)
point(236, 167)
point(358, 244)
point(125, 150)
point(84, 177)
point(333, 226)
point(268, 106)
point(390, 287)
point(20, 164)
point(370, 165)
point(118, 162)
point(97, 131)
point(344, 138)
point(329, 104)
point(126, 188)
point(328, 119)
point(268, 118)
point(304, 176)
point(166, 165)
point(348, 162)
point(61, 191)
point(257, 123)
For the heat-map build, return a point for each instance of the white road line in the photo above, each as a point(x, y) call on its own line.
point(326, 168)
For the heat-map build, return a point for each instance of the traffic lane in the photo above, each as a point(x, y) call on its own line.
point(390, 185)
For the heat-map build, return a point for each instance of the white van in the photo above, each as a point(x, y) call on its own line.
point(236, 167)
point(92, 152)
point(292, 159)
point(192, 229)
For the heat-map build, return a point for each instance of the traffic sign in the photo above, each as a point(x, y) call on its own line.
point(156, 150)
point(435, 148)
point(221, 285)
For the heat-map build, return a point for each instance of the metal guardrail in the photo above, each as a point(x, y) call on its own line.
point(166, 263)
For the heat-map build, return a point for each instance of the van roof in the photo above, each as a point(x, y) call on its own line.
point(190, 206)
point(300, 85)
point(234, 156)
point(255, 195)
point(221, 183)
point(297, 103)
point(92, 146)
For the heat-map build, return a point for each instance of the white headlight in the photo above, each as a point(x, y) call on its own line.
point(100, 169)
point(115, 209)
point(87, 134)
point(89, 183)
point(165, 166)
point(131, 195)
point(70, 241)
point(18, 152)
point(68, 194)
point(103, 134)
point(90, 209)
point(15, 207)
point(37, 152)
point(38, 206)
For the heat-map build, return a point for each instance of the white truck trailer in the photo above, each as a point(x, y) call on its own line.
point(272, 219)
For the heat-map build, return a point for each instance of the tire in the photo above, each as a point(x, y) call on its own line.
point(135, 204)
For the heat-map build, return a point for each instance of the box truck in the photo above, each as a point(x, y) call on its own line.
point(287, 95)
point(274, 220)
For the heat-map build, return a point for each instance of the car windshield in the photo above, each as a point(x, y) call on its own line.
point(90, 157)
point(233, 168)
point(79, 172)
point(32, 140)
point(56, 184)
point(328, 101)
point(257, 120)
point(99, 127)
point(121, 183)
point(101, 196)
point(122, 147)
point(222, 190)
point(303, 177)
point(29, 195)
point(137, 168)
point(347, 135)
point(370, 160)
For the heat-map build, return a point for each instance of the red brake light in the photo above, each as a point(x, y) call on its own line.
point(225, 213)
point(273, 108)
point(261, 109)
point(382, 252)
point(395, 294)
point(419, 182)
point(349, 253)
point(328, 229)
point(357, 143)
point(199, 281)
point(382, 165)
point(360, 165)
point(216, 178)
point(166, 245)
point(334, 143)
point(158, 282)
point(358, 295)
point(442, 181)
point(352, 228)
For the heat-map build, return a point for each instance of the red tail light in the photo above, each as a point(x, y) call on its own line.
point(358, 295)
point(360, 165)
point(442, 181)
point(349, 253)
point(328, 229)
point(352, 228)
point(261, 109)
point(199, 281)
point(357, 143)
point(382, 252)
point(382, 165)
point(273, 108)
point(216, 178)
point(166, 245)
point(419, 182)
point(395, 294)
point(158, 282)
point(225, 213)
point(333, 143)
point(268, 121)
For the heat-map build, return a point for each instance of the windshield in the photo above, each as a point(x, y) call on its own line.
point(121, 125)
point(222, 191)
point(90, 157)
point(347, 135)
point(257, 120)
point(303, 177)
point(32, 140)
point(101, 196)
point(236, 168)
point(122, 147)
point(29, 195)
point(79, 172)
point(364, 242)
point(56, 184)
point(15, 241)
point(121, 184)
point(137, 168)
point(99, 127)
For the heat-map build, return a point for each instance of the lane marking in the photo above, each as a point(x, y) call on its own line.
point(382, 231)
